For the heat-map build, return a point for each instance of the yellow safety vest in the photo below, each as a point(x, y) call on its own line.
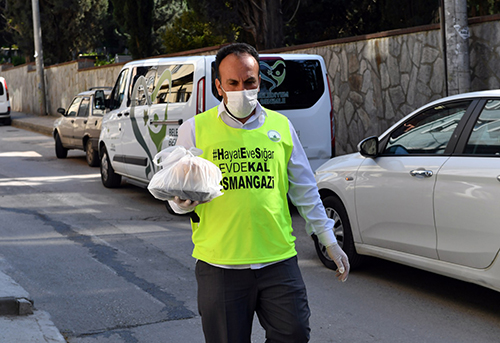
point(251, 222)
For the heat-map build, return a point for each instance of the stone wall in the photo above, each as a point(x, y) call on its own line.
point(375, 79)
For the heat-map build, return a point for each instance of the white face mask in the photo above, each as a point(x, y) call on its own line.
point(241, 103)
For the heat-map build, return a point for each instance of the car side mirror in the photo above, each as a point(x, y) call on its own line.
point(61, 111)
point(368, 147)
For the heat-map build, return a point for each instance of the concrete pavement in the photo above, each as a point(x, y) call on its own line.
point(20, 321)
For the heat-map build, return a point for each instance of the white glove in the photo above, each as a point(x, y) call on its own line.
point(186, 205)
point(340, 258)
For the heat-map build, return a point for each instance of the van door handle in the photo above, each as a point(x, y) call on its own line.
point(421, 173)
point(166, 122)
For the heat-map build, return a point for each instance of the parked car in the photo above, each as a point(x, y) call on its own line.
point(4, 102)
point(152, 97)
point(80, 125)
point(425, 193)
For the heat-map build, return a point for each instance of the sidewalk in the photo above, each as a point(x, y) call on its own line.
point(33, 122)
point(20, 321)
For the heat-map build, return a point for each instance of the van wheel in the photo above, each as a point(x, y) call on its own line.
point(91, 154)
point(108, 176)
point(61, 151)
point(342, 229)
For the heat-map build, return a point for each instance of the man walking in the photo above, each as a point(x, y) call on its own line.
point(243, 242)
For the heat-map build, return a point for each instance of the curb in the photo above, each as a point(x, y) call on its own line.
point(11, 306)
point(22, 124)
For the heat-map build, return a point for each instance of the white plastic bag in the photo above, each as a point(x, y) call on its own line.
point(186, 175)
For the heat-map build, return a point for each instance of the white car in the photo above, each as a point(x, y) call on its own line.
point(425, 193)
point(4, 102)
point(79, 126)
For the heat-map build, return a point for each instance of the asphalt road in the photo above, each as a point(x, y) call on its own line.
point(111, 265)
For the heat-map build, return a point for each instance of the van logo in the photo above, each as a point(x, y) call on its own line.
point(274, 136)
point(157, 133)
point(275, 73)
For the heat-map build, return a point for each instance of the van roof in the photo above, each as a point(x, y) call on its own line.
point(184, 59)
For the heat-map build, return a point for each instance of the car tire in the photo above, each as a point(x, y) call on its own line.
point(108, 176)
point(342, 229)
point(61, 151)
point(92, 154)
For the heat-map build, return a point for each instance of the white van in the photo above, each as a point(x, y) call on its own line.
point(4, 102)
point(152, 97)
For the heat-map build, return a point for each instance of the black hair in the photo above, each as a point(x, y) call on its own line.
point(237, 49)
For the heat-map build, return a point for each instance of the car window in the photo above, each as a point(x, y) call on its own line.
point(1, 88)
point(286, 84)
point(485, 136)
point(176, 83)
point(118, 92)
point(428, 132)
point(73, 108)
point(83, 111)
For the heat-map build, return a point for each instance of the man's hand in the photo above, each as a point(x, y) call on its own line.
point(340, 258)
point(186, 205)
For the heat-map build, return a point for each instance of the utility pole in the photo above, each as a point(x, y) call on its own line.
point(37, 34)
point(457, 46)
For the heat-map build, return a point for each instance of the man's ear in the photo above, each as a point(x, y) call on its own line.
point(217, 85)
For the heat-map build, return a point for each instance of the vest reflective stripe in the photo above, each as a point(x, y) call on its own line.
point(251, 222)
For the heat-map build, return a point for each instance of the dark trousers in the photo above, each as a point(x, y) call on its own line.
point(228, 299)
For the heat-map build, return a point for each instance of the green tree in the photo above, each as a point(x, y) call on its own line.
point(165, 11)
point(190, 31)
point(68, 26)
point(136, 21)
point(261, 20)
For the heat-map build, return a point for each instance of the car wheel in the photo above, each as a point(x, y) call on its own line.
point(61, 151)
point(108, 176)
point(342, 229)
point(91, 154)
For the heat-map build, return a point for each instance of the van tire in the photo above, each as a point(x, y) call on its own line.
point(91, 154)
point(61, 151)
point(108, 176)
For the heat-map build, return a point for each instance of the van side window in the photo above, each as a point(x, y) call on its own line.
point(149, 73)
point(1, 88)
point(176, 83)
point(118, 92)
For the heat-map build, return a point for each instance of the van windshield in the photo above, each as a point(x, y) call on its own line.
point(287, 84)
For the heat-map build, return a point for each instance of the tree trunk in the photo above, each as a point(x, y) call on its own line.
point(264, 20)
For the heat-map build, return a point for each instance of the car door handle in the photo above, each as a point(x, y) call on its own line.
point(126, 114)
point(421, 173)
